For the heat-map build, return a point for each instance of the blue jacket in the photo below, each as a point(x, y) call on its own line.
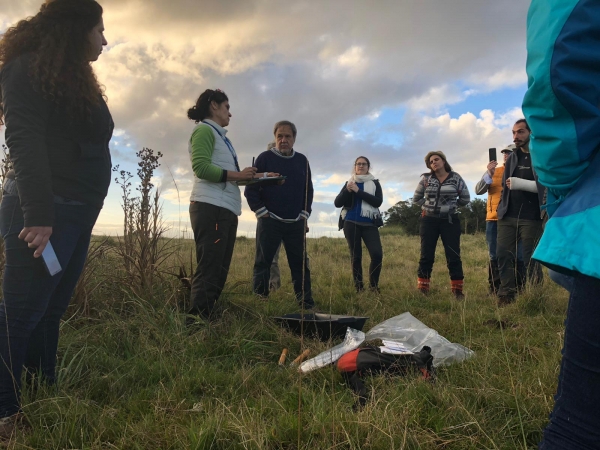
point(289, 202)
point(562, 106)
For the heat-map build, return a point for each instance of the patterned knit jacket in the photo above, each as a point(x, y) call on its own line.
point(441, 200)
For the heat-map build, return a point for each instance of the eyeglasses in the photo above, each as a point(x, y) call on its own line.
point(361, 164)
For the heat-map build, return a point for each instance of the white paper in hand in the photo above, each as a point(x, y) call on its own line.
point(50, 260)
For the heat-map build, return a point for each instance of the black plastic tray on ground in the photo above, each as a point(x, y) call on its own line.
point(322, 326)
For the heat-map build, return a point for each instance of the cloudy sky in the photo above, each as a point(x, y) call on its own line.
point(391, 80)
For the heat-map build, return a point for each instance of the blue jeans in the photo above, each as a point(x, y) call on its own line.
point(562, 280)
point(34, 302)
point(576, 415)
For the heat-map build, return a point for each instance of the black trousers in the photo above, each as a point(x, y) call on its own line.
point(215, 230)
point(269, 235)
point(370, 236)
point(510, 232)
point(430, 229)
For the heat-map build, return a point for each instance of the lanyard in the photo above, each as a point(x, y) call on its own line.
point(229, 146)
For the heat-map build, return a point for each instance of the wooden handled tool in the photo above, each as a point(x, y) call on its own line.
point(301, 357)
point(283, 356)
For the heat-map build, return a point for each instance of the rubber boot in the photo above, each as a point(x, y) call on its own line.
point(423, 285)
point(457, 289)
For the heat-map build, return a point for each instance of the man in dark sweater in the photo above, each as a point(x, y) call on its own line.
point(282, 212)
point(519, 216)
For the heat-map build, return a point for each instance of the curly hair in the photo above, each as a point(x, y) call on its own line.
point(57, 39)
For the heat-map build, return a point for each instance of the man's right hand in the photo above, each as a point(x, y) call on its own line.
point(36, 237)
point(491, 167)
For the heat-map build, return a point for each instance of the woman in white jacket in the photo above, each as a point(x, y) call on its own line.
point(215, 202)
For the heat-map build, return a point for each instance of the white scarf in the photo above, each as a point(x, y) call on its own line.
point(366, 210)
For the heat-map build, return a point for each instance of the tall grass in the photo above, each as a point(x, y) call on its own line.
point(131, 376)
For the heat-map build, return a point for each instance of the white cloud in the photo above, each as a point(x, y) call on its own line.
point(500, 79)
point(270, 58)
point(438, 96)
point(335, 179)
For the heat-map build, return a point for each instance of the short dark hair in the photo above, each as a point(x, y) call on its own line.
point(525, 122)
point(285, 123)
point(201, 110)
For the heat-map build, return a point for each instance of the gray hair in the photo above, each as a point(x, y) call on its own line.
point(270, 145)
point(284, 123)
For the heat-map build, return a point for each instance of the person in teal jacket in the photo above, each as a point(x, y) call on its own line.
point(562, 106)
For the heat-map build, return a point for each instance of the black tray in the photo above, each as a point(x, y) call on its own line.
point(322, 326)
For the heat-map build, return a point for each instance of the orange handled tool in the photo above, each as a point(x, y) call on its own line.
point(301, 357)
point(283, 356)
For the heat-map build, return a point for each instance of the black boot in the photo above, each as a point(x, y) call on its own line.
point(493, 277)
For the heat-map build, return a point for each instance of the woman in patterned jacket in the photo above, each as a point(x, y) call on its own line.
point(439, 194)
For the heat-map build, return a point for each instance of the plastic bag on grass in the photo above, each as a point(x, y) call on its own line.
point(414, 334)
point(352, 340)
point(405, 329)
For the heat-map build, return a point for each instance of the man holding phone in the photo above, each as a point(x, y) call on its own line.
point(491, 182)
point(519, 216)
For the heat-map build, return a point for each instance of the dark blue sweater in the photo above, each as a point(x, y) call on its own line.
point(290, 201)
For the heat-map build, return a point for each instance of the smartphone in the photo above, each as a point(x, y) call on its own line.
point(492, 154)
point(50, 260)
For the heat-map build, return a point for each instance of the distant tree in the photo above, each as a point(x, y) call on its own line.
point(473, 216)
point(405, 214)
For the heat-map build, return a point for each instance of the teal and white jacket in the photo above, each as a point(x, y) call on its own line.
point(562, 107)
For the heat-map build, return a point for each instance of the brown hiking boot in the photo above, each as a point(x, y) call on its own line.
point(11, 425)
point(423, 285)
point(457, 289)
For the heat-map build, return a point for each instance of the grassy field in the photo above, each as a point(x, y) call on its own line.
point(133, 377)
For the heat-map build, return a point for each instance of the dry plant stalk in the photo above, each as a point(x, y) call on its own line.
point(143, 247)
point(88, 280)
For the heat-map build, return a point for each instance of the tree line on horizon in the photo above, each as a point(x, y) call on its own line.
point(406, 214)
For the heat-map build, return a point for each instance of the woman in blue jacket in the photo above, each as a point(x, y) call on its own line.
point(562, 106)
point(360, 199)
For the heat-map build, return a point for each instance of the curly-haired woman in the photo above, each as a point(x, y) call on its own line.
point(58, 128)
point(439, 193)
